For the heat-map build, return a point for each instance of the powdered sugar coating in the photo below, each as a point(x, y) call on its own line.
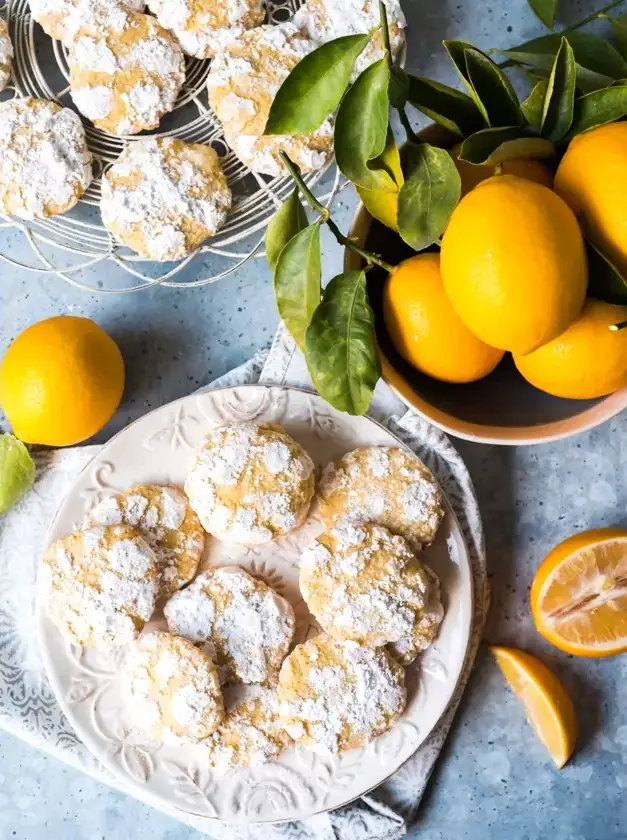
point(125, 72)
point(251, 483)
point(242, 83)
point(407, 648)
point(102, 585)
point(203, 27)
point(385, 485)
point(6, 54)
point(45, 165)
point(251, 734)
point(325, 20)
point(172, 690)
point(163, 197)
point(164, 518)
point(363, 583)
point(244, 623)
point(62, 19)
point(336, 696)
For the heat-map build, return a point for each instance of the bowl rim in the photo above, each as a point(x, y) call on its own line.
point(598, 413)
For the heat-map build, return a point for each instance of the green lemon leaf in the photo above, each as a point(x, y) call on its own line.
point(599, 107)
point(17, 471)
point(619, 25)
point(361, 129)
point(429, 195)
point(533, 105)
point(297, 281)
point(314, 88)
point(591, 52)
point(605, 281)
point(559, 103)
point(398, 88)
point(488, 86)
point(288, 220)
point(496, 145)
point(444, 105)
point(341, 350)
point(545, 11)
point(587, 80)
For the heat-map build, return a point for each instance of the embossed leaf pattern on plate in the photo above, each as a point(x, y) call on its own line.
point(159, 448)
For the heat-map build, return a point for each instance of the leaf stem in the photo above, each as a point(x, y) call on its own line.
point(620, 326)
point(411, 134)
point(325, 216)
point(385, 32)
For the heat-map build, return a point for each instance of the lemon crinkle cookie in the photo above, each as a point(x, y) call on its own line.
point(125, 72)
point(363, 583)
point(336, 696)
point(6, 54)
point(245, 625)
point(163, 197)
point(62, 19)
point(252, 733)
point(386, 485)
point(45, 165)
point(102, 585)
point(172, 691)
point(165, 520)
point(243, 81)
point(325, 20)
point(251, 483)
point(407, 648)
point(203, 27)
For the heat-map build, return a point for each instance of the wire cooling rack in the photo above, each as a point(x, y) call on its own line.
point(77, 246)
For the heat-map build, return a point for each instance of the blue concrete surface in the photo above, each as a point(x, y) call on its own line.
point(494, 778)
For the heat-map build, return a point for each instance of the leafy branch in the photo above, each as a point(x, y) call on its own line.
point(579, 82)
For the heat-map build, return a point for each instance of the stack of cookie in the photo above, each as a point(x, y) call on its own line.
point(163, 196)
point(225, 674)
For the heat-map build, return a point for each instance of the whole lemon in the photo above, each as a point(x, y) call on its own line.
point(425, 328)
point(473, 174)
point(592, 179)
point(587, 360)
point(514, 263)
point(61, 380)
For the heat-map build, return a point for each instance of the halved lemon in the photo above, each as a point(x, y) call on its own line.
point(579, 594)
point(549, 709)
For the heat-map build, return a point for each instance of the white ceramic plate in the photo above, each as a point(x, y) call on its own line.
point(160, 448)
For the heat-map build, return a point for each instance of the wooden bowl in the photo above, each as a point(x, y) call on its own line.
point(503, 408)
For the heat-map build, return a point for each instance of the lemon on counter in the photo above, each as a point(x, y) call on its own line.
point(514, 263)
point(549, 709)
point(61, 381)
point(579, 594)
point(426, 330)
point(586, 361)
point(473, 174)
point(592, 179)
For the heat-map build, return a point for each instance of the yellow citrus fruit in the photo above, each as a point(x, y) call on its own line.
point(586, 361)
point(383, 206)
point(514, 263)
point(472, 174)
point(592, 178)
point(61, 380)
point(549, 709)
point(426, 330)
point(579, 594)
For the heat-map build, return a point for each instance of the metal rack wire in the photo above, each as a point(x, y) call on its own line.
point(74, 245)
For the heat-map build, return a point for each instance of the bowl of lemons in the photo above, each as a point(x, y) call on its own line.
point(495, 334)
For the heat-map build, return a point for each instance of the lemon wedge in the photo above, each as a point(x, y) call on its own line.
point(549, 709)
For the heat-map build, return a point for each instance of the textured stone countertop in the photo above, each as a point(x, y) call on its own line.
point(494, 778)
